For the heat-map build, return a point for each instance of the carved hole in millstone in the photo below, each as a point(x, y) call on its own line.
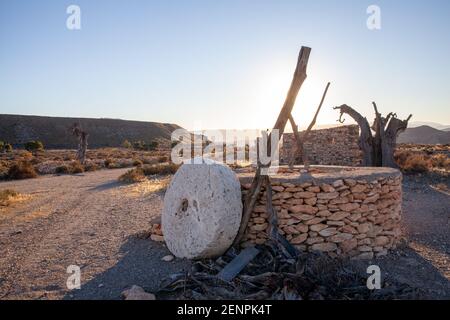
point(183, 207)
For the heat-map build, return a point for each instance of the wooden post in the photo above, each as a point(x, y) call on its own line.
point(297, 81)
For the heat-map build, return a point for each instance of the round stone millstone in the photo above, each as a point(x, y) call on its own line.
point(202, 210)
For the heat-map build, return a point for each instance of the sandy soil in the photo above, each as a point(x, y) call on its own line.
point(90, 220)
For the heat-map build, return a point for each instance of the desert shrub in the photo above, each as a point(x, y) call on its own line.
point(167, 168)
point(440, 160)
point(34, 145)
point(88, 167)
point(162, 159)
point(413, 162)
point(152, 145)
point(5, 147)
point(35, 160)
point(7, 195)
point(76, 167)
point(108, 162)
point(64, 169)
point(127, 144)
point(132, 176)
point(149, 160)
point(142, 145)
point(3, 172)
point(139, 145)
point(137, 163)
point(21, 170)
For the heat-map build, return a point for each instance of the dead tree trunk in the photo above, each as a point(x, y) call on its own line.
point(378, 148)
point(389, 140)
point(82, 142)
point(365, 137)
point(253, 193)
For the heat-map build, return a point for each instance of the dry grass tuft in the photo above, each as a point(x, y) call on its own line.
point(441, 161)
point(89, 167)
point(21, 170)
point(64, 169)
point(133, 176)
point(162, 169)
point(411, 162)
point(137, 163)
point(76, 167)
point(9, 196)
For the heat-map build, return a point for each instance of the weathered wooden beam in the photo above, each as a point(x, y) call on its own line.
point(236, 265)
point(297, 81)
point(299, 145)
point(311, 125)
point(287, 249)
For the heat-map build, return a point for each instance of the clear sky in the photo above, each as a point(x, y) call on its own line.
point(222, 63)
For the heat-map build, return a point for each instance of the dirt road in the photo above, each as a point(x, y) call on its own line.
point(86, 220)
point(90, 220)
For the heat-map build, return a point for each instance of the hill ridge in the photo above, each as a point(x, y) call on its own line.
point(54, 131)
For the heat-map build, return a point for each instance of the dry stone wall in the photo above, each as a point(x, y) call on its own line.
point(354, 212)
point(333, 146)
point(343, 211)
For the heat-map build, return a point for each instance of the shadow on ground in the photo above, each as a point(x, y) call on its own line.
point(106, 186)
point(406, 267)
point(141, 265)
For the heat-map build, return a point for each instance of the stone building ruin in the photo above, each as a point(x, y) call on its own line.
point(332, 146)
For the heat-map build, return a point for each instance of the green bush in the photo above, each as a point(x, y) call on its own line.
point(143, 146)
point(152, 145)
point(34, 145)
point(5, 147)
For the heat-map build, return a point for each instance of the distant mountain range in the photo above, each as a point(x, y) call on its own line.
point(434, 125)
point(424, 135)
point(55, 133)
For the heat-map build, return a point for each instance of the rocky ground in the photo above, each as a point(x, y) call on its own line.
point(91, 220)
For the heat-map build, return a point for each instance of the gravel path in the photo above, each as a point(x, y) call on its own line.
point(90, 220)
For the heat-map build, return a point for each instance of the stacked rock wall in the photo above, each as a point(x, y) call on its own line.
point(333, 146)
point(353, 212)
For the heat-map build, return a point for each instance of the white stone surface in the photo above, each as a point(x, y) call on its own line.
point(202, 210)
